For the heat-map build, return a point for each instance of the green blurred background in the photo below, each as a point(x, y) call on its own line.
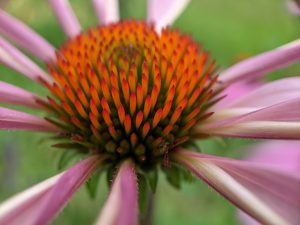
point(230, 30)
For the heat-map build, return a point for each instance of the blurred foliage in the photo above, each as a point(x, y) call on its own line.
point(230, 30)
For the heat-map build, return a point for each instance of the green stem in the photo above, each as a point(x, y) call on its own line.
point(147, 217)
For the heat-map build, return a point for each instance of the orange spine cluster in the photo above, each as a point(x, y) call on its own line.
point(125, 83)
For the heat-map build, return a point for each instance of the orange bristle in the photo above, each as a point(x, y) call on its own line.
point(133, 139)
point(157, 117)
point(138, 119)
point(94, 120)
point(116, 97)
point(139, 94)
point(113, 132)
point(144, 84)
point(94, 95)
point(105, 105)
point(132, 103)
point(54, 104)
point(58, 92)
point(146, 129)
point(154, 95)
point(132, 81)
point(77, 122)
point(125, 89)
point(127, 124)
point(69, 93)
point(84, 84)
point(114, 81)
point(166, 109)
point(67, 108)
point(106, 118)
point(80, 109)
point(167, 129)
point(176, 115)
point(105, 90)
point(94, 108)
point(82, 98)
point(121, 113)
point(96, 134)
point(192, 114)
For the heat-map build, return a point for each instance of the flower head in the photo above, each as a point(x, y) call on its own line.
point(125, 91)
point(133, 95)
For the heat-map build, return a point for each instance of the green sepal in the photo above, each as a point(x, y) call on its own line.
point(92, 184)
point(221, 141)
point(173, 175)
point(65, 158)
point(187, 175)
point(152, 177)
point(143, 192)
point(67, 145)
point(192, 145)
point(110, 175)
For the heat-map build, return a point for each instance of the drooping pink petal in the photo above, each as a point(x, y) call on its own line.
point(236, 91)
point(15, 120)
point(165, 12)
point(263, 63)
point(39, 204)
point(17, 96)
point(279, 121)
point(64, 189)
point(284, 155)
point(15, 59)
point(270, 93)
point(246, 219)
point(20, 208)
point(66, 17)
point(288, 110)
point(107, 10)
point(260, 130)
point(121, 207)
point(268, 194)
point(25, 37)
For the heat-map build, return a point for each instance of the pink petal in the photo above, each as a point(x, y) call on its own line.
point(261, 64)
point(12, 57)
point(268, 194)
point(64, 189)
point(40, 204)
point(121, 207)
point(165, 12)
point(107, 10)
point(17, 96)
point(66, 17)
point(270, 93)
point(25, 37)
point(283, 155)
point(279, 121)
point(12, 119)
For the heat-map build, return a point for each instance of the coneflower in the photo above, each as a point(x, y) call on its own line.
point(133, 96)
